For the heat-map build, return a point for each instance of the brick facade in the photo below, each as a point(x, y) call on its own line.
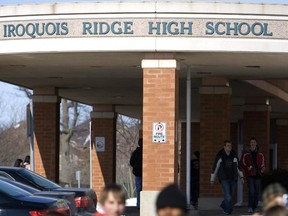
point(257, 124)
point(195, 145)
point(282, 141)
point(214, 129)
point(103, 163)
point(234, 135)
point(160, 104)
point(46, 139)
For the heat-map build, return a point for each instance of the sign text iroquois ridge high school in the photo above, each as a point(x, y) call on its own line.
point(141, 28)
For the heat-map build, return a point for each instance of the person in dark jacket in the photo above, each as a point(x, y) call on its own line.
point(253, 165)
point(136, 162)
point(18, 163)
point(195, 168)
point(226, 168)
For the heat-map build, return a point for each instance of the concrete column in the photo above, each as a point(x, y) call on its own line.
point(160, 104)
point(46, 111)
point(215, 112)
point(256, 123)
point(103, 126)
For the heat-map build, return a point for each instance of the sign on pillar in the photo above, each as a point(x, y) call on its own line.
point(100, 144)
point(159, 132)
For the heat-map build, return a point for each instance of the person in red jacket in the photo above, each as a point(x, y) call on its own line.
point(253, 165)
point(112, 200)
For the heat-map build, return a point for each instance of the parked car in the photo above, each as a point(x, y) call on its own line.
point(67, 196)
point(17, 202)
point(85, 198)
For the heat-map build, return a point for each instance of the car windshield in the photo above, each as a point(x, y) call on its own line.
point(37, 179)
point(12, 190)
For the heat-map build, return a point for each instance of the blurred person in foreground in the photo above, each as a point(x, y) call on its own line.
point(171, 201)
point(273, 195)
point(112, 200)
point(277, 210)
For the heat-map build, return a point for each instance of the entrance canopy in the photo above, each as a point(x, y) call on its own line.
point(92, 52)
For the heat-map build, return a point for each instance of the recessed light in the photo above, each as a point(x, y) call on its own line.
point(55, 77)
point(87, 88)
point(117, 97)
point(253, 66)
point(204, 72)
point(17, 65)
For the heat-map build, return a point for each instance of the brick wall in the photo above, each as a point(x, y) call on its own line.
point(46, 139)
point(195, 146)
point(257, 124)
point(234, 135)
point(282, 141)
point(103, 163)
point(160, 104)
point(214, 129)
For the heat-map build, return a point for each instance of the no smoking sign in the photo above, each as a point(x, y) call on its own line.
point(159, 132)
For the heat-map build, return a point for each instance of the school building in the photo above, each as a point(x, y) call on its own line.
point(221, 67)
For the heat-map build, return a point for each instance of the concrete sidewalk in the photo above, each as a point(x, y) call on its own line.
point(238, 211)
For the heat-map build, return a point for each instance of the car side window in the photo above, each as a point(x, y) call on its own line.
point(6, 175)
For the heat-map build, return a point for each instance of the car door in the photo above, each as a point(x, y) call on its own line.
point(3, 212)
point(7, 206)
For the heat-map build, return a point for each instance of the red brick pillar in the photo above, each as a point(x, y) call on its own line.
point(46, 133)
point(215, 114)
point(103, 126)
point(256, 123)
point(160, 104)
point(282, 143)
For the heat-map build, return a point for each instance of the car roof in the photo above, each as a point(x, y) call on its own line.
point(10, 168)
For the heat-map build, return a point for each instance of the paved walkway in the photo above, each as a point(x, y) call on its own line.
point(238, 211)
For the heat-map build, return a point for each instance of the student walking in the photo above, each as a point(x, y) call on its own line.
point(195, 170)
point(136, 162)
point(226, 167)
point(253, 165)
